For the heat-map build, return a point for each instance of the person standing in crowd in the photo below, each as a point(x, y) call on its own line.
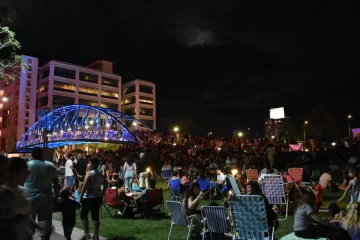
point(91, 198)
point(69, 174)
point(80, 168)
point(130, 172)
point(143, 164)
point(39, 184)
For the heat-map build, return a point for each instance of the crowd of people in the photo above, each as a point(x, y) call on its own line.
point(28, 189)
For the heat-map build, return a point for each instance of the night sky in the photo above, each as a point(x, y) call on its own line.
point(222, 64)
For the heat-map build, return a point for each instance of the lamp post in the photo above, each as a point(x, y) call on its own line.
point(6, 99)
point(240, 134)
point(349, 119)
point(305, 123)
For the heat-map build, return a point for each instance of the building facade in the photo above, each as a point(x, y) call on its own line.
point(18, 105)
point(139, 101)
point(62, 84)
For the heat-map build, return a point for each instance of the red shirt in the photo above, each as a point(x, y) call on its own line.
point(317, 188)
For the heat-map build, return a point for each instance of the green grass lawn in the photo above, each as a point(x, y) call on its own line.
point(158, 229)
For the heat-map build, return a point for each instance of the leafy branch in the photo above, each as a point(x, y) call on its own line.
point(10, 63)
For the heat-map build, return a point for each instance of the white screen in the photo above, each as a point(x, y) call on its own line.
point(277, 113)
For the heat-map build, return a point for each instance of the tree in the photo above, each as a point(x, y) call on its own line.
point(10, 62)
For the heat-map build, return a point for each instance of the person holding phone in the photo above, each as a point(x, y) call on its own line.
point(190, 202)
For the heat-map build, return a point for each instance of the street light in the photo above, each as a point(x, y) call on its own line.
point(176, 129)
point(305, 123)
point(6, 99)
point(349, 119)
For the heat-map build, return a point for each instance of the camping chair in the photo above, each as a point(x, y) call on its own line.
point(296, 174)
point(234, 185)
point(178, 217)
point(152, 201)
point(214, 188)
point(175, 189)
point(214, 220)
point(204, 185)
point(252, 175)
point(249, 217)
point(111, 204)
point(273, 188)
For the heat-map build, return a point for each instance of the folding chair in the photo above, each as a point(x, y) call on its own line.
point(214, 187)
point(111, 204)
point(152, 201)
point(273, 188)
point(252, 175)
point(175, 189)
point(204, 184)
point(166, 174)
point(249, 217)
point(234, 185)
point(214, 220)
point(178, 217)
point(296, 174)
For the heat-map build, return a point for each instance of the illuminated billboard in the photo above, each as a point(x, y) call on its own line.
point(277, 113)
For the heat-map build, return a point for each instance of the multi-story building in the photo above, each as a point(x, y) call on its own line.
point(18, 105)
point(63, 84)
point(139, 101)
point(278, 127)
point(56, 84)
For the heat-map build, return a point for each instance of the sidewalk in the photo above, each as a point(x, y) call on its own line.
point(76, 234)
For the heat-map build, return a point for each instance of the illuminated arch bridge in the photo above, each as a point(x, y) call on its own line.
point(79, 124)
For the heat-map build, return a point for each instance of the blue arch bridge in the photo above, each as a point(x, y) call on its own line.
point(80, 124)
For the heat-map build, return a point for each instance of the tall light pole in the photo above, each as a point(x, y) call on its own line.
point(305, 123)
point(6, 99)
point(176, 129)
point(240, 134)
point(349, 119)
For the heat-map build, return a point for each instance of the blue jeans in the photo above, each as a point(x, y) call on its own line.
point(129, 179)
point(70, 181)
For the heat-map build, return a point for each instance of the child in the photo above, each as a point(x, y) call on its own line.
point(336, 213)
point(354, 186)
point(317, 191)
point(68, 208)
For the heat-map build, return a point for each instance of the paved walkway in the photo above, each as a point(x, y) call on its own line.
point(58, 233)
